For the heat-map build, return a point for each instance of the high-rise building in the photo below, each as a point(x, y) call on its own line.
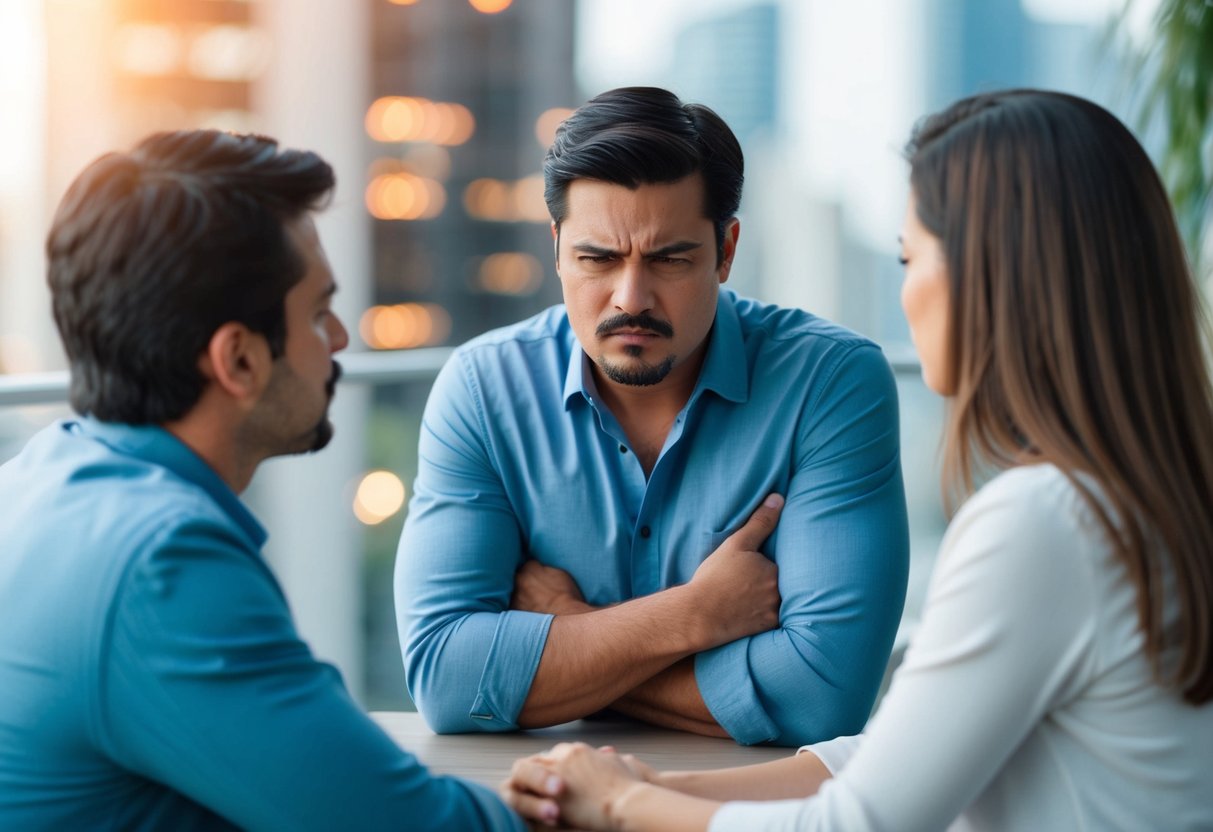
point(742, 87)
point(466, 102)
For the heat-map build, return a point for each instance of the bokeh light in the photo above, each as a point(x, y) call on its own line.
point(149, 49)
point(528, 199)
point(229, 53)
point(497, 201)
point(404, 196)
point(510, 273)
point(548, 121)
point(399, 118)
point(490, 6)
point(405, 326)
point(380, 494)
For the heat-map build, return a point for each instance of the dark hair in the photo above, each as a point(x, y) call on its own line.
point(1076, 339)
point(644, 135)
point(151, 251)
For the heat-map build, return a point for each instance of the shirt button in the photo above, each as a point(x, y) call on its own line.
point(623, 449)
point(645, 532)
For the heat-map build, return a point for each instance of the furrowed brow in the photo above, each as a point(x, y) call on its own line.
point(680, 247)
point(593, 250)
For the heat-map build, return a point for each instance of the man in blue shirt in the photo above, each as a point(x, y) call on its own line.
point(150, 674)
point(567, 547)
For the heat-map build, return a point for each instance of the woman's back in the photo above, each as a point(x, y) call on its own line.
point(1031, 631)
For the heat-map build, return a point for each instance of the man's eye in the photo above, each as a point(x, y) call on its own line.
point(595, 258)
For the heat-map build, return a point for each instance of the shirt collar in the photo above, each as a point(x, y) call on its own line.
point(157, 446)
point(725, 370)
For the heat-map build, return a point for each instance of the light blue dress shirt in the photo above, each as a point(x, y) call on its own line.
point(150, 674)
point(520, 458)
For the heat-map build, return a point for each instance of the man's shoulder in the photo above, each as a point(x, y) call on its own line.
point(781, 324)
point(63, 481)
point(538, 347)
point(800, 344)
point(549, 327)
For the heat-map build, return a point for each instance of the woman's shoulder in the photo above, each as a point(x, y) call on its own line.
point(1042, 491)
point(1034, 511)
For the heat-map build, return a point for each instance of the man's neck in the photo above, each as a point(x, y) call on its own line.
point(646, 414)
point(216, 449)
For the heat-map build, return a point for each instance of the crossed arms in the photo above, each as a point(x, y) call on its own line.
point(483, 653)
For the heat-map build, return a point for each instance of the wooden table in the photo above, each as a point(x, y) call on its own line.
point(486, 758)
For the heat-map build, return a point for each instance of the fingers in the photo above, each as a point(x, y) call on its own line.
point(530, 806)
point(530, 775)
point(760, 525)
point(531, 791)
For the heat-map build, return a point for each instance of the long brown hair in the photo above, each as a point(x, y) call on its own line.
point(1076, 339)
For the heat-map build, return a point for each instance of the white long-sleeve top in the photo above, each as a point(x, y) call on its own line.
point(1025, 701)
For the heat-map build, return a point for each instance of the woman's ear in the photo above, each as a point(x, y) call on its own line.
point(237, 361)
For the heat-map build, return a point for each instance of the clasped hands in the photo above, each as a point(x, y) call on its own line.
point(574, 786)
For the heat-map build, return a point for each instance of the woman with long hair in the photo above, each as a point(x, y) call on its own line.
point(1062, 672)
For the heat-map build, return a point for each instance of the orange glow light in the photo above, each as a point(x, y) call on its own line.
point(490, 6)
point(404, 196)
point(528, 199)
point(510, 273)
point(487, 199)
point(404, 326)
point(398, 118)
point(380, 494)
point(548, 121)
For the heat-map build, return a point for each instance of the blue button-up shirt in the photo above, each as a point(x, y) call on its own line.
point(519, 458)
point(150, 674)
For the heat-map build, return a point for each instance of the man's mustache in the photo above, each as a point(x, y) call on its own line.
point(641, 321)
point(330, 386)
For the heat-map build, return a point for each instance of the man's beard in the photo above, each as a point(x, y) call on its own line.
point(322, 434)
point(641, 374)
point(644, 375)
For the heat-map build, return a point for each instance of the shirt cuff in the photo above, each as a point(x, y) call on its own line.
point(834, 753)
point(510, 668)
point(727, 688)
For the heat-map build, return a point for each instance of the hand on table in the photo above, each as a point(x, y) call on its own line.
point(573, 785)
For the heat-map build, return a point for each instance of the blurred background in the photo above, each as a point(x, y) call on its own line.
point(436, 115)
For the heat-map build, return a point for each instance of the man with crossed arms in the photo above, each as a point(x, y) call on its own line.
point(580, 472)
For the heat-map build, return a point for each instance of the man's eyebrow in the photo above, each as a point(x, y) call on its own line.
point(329, 291)
point(596, 251)
point(680, 247)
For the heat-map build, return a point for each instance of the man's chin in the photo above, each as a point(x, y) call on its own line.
point(635, 372)
point(321, 436)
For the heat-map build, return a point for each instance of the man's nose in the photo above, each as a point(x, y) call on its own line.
point(634, 289)
point(339, 336)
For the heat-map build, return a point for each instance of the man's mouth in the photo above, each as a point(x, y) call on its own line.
point(330, 386)
point(635, 327)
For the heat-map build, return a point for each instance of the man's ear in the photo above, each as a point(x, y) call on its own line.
point(237, 361)
point(556, 245)
point(732, 230)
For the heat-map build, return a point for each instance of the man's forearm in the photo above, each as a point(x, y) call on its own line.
point(592, 659)
point(671, 699)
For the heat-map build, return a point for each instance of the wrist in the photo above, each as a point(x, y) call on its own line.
point(695, 624)
point(572, 606)
point(620, 806)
